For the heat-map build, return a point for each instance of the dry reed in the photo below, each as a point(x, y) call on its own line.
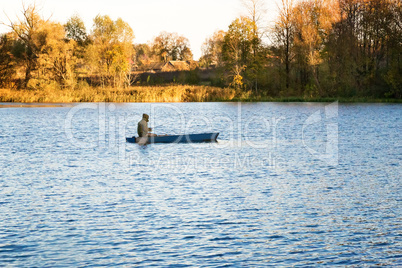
point(167, 93)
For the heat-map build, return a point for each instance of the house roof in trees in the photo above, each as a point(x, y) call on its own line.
point(157, 66)
point(180, 65)
point(169, 66)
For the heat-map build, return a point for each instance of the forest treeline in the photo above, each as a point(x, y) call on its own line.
point(315, 49)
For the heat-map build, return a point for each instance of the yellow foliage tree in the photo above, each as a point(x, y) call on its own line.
point(27, 41)
point(313, 22)
point(237, 50)
point(56, 59)
point(111, 51)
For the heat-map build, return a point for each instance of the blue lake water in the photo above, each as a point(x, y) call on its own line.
point(287, 184)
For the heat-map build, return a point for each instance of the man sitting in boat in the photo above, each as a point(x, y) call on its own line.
point(143, 129)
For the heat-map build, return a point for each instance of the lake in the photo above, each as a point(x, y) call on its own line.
point(287, 184)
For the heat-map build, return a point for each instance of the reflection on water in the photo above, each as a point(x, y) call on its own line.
point(279, 188)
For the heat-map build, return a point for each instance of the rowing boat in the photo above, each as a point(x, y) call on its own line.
point(185, 138)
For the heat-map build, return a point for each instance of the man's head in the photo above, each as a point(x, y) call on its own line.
point(145, 117)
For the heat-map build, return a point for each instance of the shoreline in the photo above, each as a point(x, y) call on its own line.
point(4, 105)
point(50, 97)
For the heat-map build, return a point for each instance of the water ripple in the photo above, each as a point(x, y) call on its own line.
point(209, 205)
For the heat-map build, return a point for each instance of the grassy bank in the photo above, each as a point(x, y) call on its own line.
point(319, 99)
point(166, 93)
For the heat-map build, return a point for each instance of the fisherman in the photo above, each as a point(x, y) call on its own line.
point(143, 129)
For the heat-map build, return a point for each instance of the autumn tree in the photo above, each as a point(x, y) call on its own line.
point(283, 37)
point(313, 23)
point(111, 50)
point(40, 50)
point(143, 54)
point(171, 46)
point(75, 30)
point(212, 49)
point(364, 48)
point(255, 11)
point(56, 59)
point(7, 63)
point(393, 76)
point(78, 39)
point(182, 49)
point(237, 51)
point(379, 45)
point(28, 43)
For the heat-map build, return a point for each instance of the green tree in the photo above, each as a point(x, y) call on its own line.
point(255, 11)
point(237, 51)
point(75, 30)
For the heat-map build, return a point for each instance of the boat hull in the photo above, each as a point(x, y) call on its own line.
point(188, 138)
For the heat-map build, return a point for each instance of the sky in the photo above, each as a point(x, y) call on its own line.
point(193, 19)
